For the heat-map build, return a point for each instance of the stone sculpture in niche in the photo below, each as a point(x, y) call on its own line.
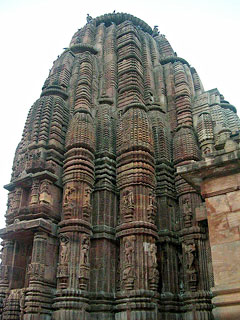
point(63, 268)
point(64, 250)
point(150, 250)
point(34, 199)
point(87, 208)
point(128, 263)
point(187, 213)
point(127, 205)
point(189, 252)
point(84, 269)
point(152, 208)
point(191, 272)
point(69, 196)
point(45, 196)
point(153, 255)
point(84, 251)
point(69, 201)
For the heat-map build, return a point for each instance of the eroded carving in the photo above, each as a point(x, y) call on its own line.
point(87, 208)
point(34, 199)
point(128, 263)
point(152, 208)
point(84, 251)
point(45, 196)
point(64, 250)
point(187, 212)
point(127, 205)
point(63, 268)
point(191, 272)
point(84, 269)
point(69, 201)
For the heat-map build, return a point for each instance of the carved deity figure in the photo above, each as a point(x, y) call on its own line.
point(153, 254)
point(151, 199)
point(87, 197)
point(64, 251)
point(187, 211)
point(34, 194)
point(152, 208)
point(10, 203)
point(45, 193)
point(84, 251)
point(69, 195)
point(17, 198)
point(128, 199)
point(128, 274)
point(45, 187)
point(129, 251)
point(189, 251)
point(127, 205)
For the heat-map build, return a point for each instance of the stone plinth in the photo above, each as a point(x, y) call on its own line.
point(219, 181)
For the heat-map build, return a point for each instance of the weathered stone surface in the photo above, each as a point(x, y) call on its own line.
point(105, 218)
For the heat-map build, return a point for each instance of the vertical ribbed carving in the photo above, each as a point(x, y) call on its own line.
point(130, 69)
point(164, 46)
point(205, 133)
point(136, 229)
point(197, 82)
point(78, 180)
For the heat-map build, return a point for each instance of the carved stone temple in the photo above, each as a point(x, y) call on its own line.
point(124, 201)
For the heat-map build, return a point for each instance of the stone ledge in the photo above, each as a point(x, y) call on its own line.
point(24, 227)
point(222, 165)
point(103, 231)
point(27, 179)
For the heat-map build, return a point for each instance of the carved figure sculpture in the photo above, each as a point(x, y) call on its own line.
point(64, 250)
point(189, 251)
point(84, 251)
point(187, 212)
point(129, 251)
point(69, 195)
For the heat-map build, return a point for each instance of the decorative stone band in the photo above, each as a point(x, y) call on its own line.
point(82, 47)
point(78, 225)
point(174, 59)
point(28, 226)
point(55, 91)
point(26, 181)
point(136, 227)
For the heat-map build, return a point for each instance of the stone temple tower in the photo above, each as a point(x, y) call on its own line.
point(111, 212)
